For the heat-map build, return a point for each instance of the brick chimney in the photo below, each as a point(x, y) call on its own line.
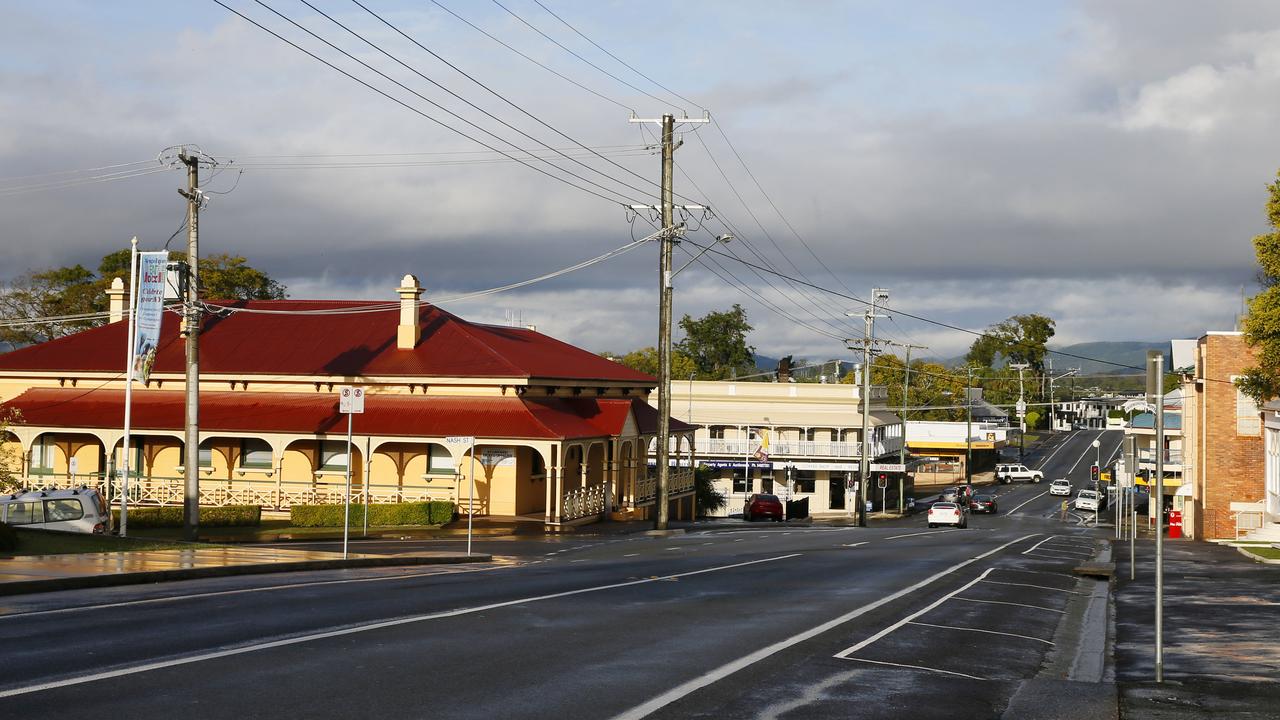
point(409, 331)
point(115, 301)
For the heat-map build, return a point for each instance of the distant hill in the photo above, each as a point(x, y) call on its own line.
point(1101, 356)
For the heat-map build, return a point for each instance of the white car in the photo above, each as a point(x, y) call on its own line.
point(1008, 472)
point(1061, 486)
point(947, 513)
point(1087, 500)
point(75, 510)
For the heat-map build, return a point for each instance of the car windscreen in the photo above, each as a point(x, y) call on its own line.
point(767, 498)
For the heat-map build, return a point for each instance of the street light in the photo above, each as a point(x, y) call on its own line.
point(1097, 448)
point(722, 239)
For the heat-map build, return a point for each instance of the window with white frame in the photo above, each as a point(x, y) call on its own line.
point(439, 460)
point(254, 453)
point(42, 456)
point(333, 455)
point(1248, 420)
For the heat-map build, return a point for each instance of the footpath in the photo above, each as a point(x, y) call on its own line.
point(1221, 634)
point(44, 573)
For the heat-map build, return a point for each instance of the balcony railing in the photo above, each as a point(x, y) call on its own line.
point(1171, 457)
point(797, 448)
point(680, 481)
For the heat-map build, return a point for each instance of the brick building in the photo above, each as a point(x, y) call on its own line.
point(1223, 453)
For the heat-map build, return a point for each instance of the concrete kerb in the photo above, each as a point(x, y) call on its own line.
point(1244, 550)
point(82, 582)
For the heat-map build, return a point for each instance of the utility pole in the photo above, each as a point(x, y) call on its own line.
point(1022, 408)
point(906, 386)
point(868, 338)
point(191, 450)
point(668, 240)
point(968, 426)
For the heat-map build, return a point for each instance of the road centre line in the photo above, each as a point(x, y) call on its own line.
point(244, 649)
point(980, 630)
point(1003, 602)
point(916, 667)
point(927, 532)
point(1020, 506)
point(241, 591)
point(844, 654)
point(1055, 452)
point(729, 668)
point(1087, 448)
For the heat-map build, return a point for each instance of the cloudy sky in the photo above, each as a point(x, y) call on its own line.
point(1103, 163)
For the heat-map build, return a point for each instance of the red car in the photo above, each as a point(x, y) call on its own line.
point(763, 505)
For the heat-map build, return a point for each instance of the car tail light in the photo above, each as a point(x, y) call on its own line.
point(99, 529)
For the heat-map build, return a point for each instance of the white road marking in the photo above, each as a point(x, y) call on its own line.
point(1020, 506)
point(1033, 547)
point(844, 654)
point(242, 591)
point(1041, 587)
point(1055, 452)
point(927, 532)
point(1086, 452)
point(244, 649)
point(980, 630)
point(1003, 602)
point(631, 555)
point(729, 668)
point(917, 667)
point(855, 544)
point(1061, 555)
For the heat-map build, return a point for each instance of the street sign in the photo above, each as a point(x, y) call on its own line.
point(459, 440)
point(888, 467)
point(1022, 408)
point(351, 400)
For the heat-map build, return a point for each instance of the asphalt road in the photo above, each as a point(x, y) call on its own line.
point(734, 620)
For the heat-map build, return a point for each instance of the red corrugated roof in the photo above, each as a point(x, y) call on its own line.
point(317, 413)
point(362, 344)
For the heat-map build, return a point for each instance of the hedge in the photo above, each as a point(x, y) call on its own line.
point(8, 538)
point(171, 516)
point(435, 512)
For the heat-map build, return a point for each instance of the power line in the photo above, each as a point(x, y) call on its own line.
point(615, 57)
point(470, 104)
point(411, 108)
point(76, 172)
point(560, 45)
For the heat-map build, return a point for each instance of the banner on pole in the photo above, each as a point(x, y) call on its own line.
point(150, 310)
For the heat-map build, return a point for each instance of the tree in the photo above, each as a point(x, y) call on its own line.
point(76, 290)
point(1262, 324)
point(1019, 339)
point(10, 454)
point(717, 344)
point(930, 384)
point(645, 360)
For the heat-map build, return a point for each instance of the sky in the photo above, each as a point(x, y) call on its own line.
point(1102, 163)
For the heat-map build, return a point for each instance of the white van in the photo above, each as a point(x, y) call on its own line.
point(76, 510)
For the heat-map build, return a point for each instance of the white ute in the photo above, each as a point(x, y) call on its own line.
point(1008, 472)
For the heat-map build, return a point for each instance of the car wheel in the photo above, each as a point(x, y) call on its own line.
point(746, 516)
point(1036, 480)
point(932, 526)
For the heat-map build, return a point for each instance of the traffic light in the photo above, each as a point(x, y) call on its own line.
point(1094, 474)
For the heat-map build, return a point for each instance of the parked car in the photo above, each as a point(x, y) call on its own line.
point(960, 495)
point(73, 510)
point(1008, 472)
point(984, 504)
point(1061, 486)
point(1088, 500)
point(763, 505)
point(947, 513)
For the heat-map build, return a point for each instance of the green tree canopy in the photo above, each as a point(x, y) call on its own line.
point(1262, 324)
point(717, 344)
point(1019, 339)
point(645, 360)
point(76, 290)
point(930, 384)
